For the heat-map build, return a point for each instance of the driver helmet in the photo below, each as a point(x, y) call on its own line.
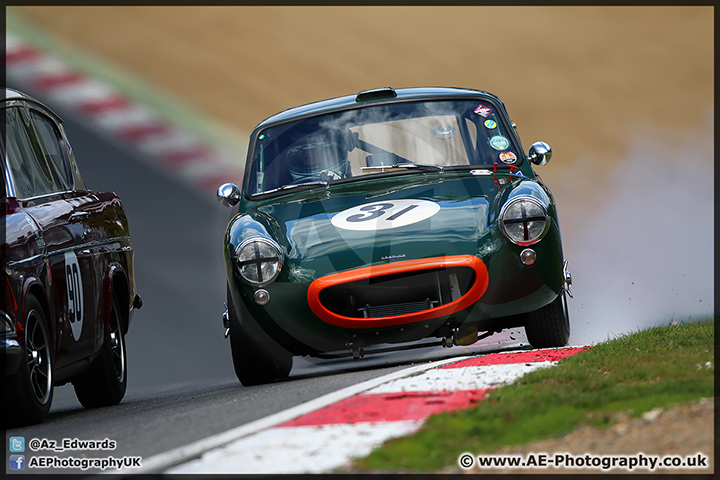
point(323, 160)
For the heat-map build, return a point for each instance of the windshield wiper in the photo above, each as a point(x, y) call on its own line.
point(433, 166)
point(295, 185)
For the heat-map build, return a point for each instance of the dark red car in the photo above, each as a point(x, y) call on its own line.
point(69, 286)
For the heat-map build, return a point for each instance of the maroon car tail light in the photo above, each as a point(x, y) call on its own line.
point(398, 293)
point(9, 294)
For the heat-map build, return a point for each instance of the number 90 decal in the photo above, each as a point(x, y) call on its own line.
point(384, 215)
point(75, 304)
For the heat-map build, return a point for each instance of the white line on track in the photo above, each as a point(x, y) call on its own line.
point(160, 462)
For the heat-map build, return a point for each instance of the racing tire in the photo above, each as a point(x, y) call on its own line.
point(106, 381)
point(254, 364)
point(29, 391)
point(549, 326)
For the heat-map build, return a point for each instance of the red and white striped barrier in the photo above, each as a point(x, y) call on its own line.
point(98, 104)
point(322, 439)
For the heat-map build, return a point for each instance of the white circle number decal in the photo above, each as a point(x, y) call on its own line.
point(74, 293)
point(383, 215)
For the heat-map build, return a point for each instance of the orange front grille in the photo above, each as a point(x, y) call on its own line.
point(398, 293)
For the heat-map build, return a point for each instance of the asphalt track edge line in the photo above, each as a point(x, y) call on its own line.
point(162, 461)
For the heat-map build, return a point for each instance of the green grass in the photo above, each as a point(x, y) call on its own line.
point(658, 367)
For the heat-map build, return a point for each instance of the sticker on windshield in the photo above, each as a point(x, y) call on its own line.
point(384, 215)
point(74, 288)
point(508, 157)
point(499, 142)
point(483, 110)
point(490, 124)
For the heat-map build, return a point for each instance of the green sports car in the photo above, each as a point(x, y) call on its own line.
point(377, 221)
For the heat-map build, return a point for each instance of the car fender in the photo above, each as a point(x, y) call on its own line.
point(114, 272)
point(34, 285)
point(240, 228)
point(241, 316)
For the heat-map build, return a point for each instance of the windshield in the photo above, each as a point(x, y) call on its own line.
point(374, 140)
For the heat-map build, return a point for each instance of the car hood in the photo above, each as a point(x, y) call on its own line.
point(350, 226)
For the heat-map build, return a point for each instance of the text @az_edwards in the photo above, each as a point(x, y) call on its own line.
point(19, 460)
point(70, 444)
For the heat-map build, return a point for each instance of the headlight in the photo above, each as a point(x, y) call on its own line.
point(258, 260)
point(524, 220)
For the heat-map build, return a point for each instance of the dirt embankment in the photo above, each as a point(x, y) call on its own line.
point(580, 78)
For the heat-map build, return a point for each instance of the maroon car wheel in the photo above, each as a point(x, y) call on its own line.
point(31, 388)
point(105, 383)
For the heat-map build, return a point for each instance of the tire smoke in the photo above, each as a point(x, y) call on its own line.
point(639, 235)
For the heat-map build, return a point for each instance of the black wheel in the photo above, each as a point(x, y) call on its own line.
point(105, 383)
point(30, 390)
point(255, 364)
point(549, 326)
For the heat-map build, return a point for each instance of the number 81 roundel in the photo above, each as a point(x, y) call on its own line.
point(385, 214)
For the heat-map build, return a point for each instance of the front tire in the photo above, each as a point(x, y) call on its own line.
point(549, 326)
point(255, 364)
point(30, 390)
point(105, 384)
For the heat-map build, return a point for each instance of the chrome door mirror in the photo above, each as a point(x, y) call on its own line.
point(228, 194)
point(540, 153)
